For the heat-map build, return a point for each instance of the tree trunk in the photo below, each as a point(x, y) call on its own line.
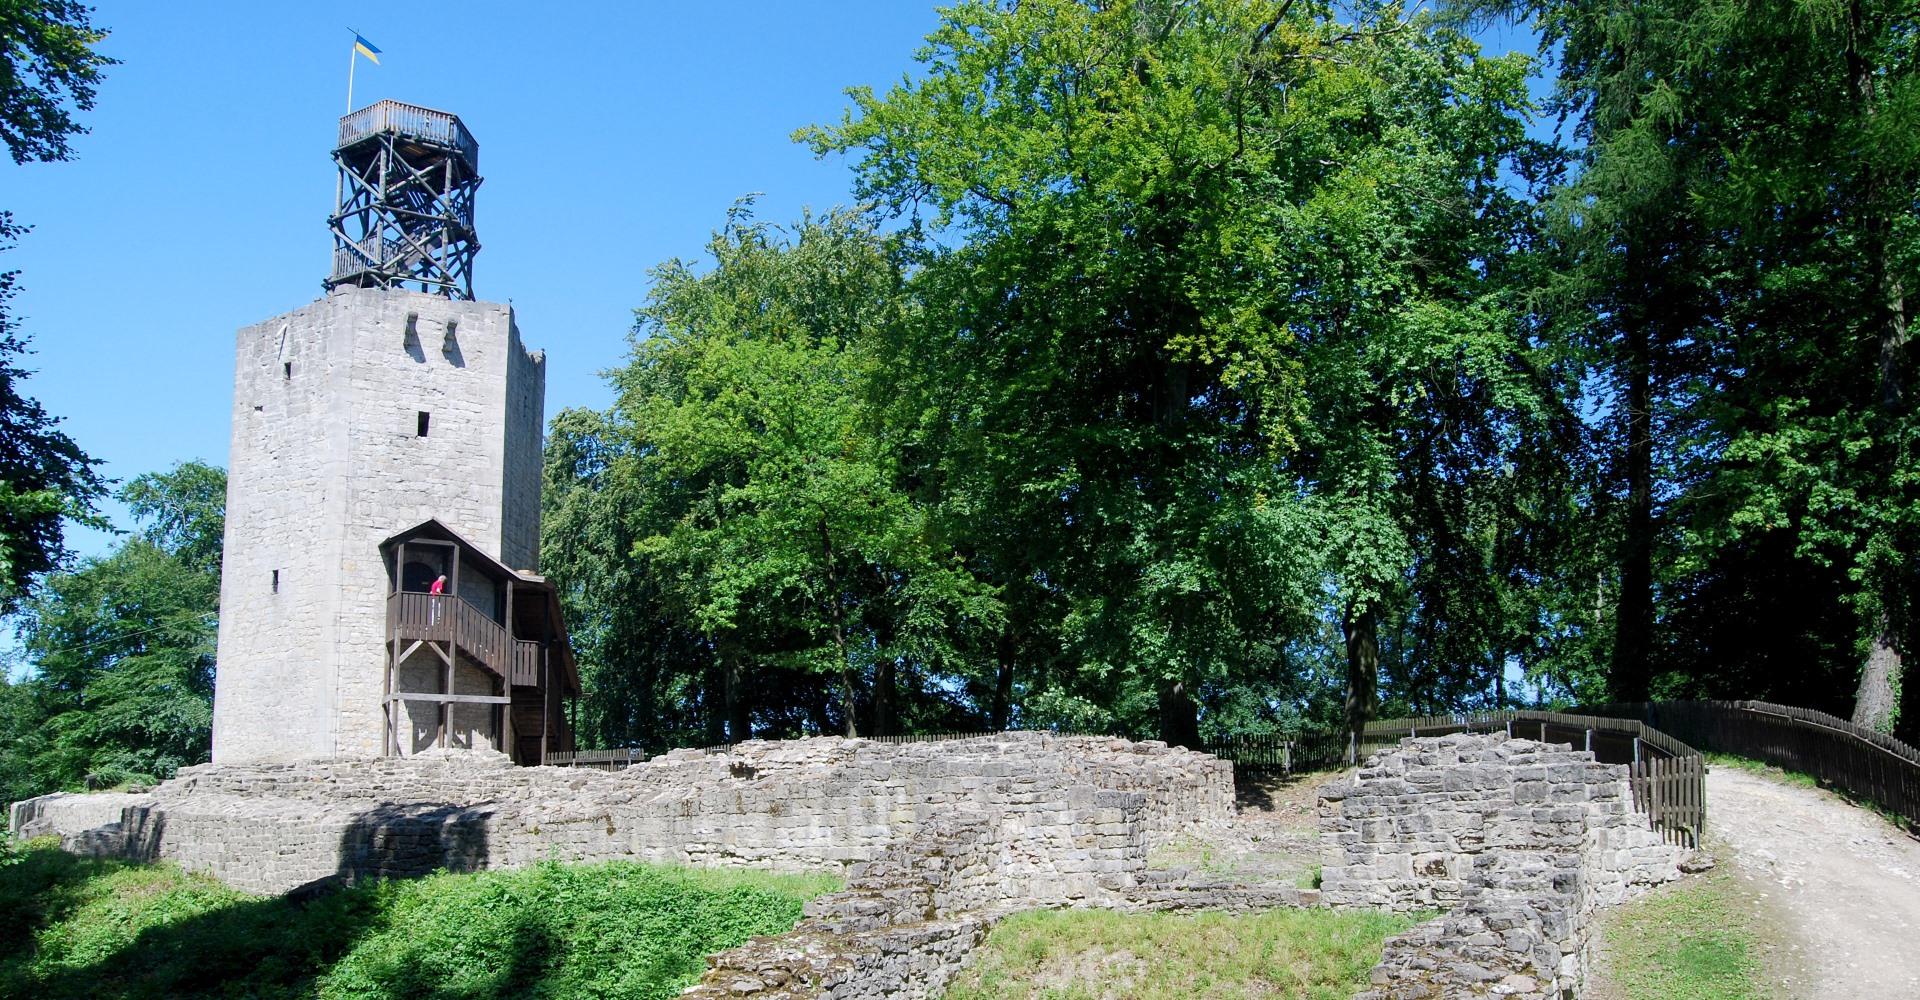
point(1874, 703)
point(1179, 716)
point(739, 713)
point(883, 692)
point(716, 702)
point(1363, 671)
point(1003, 682)
point(1632, 668)
point(836, 607)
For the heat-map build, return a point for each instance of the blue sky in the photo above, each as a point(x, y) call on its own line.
point(613, 137)
point(611, 140)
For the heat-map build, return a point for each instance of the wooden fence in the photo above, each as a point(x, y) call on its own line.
point(1867, 765)
point(1613, 739)
point(1668, 777)
point(608, 760)
point(1255, 754)
point(1672, 793)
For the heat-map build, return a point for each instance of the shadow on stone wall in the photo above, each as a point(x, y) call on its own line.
point(406, 841)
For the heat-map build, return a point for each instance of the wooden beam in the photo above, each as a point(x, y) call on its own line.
point(449, 699)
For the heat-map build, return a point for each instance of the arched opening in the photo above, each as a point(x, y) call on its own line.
point(417, 576)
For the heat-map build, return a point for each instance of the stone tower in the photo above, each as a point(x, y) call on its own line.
point(355, 418)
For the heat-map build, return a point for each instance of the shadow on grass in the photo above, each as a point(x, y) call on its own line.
point(1257, 789)
point(65, 920)
point(200, 939)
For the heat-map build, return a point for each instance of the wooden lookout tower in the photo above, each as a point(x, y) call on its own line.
point(403, 216)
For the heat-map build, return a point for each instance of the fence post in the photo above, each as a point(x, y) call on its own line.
point(1636, 749)
point(1589, 741)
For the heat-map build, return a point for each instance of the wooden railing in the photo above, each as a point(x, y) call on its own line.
point(1668, 776)
point(450, 618)
point(1612, 739)
point(411, 120)
point(1867, 765)
point(527, 663)
point(611, 760)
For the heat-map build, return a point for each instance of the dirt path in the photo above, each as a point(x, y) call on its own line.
point(1845, 880)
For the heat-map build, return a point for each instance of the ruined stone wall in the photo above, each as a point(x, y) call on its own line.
point(904, 926)
point(803, 804)
point(1520, 841)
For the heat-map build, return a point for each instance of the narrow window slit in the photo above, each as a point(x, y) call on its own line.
point(420, 426)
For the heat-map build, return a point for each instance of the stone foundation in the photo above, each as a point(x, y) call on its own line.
point(795, 805)
point(1520, 841)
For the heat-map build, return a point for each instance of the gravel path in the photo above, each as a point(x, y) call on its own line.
point(1845, 881)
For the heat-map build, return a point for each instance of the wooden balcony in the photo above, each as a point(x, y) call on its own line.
point(410, 121)
point(528, 672)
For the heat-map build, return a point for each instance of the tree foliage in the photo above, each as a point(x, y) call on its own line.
point(48, 71)
point(1192, 348)
point(46, 480)
point(120, 649)
point(1229, 367)
point(1736, 247)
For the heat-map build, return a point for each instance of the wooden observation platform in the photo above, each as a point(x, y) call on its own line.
point(403, 214)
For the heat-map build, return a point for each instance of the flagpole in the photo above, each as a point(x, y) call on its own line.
point(353, 59)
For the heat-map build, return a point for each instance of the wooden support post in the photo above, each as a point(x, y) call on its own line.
point(391, 679)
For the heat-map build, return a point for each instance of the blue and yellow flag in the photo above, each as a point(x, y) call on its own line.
point(366, 48)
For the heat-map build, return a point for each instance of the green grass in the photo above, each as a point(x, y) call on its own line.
point(1309, 879)
point(1801, 779)
point(1763, 769)
point(1696, 940)
point(1088, 954)
point(72, 928)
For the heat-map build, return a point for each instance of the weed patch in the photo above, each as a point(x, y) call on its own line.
point(1092, 954)
point(1695, 940)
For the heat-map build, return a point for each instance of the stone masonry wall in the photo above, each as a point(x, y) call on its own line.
point(803, 804)
point(325, 463)
point(1519, 841)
